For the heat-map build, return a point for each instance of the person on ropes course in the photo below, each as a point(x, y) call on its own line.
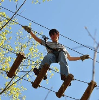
point(57, 53)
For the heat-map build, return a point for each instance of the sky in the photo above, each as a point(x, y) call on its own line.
point(69, 17)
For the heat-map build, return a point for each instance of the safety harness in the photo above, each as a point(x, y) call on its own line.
point(54, 51)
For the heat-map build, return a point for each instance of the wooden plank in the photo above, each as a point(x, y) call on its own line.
point(88, 91)
point(65, 84)
point(40, 76)
point(15, 65)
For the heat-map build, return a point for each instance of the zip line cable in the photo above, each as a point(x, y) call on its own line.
point(12, 16)
point(79, 53)
point(55, 92)
point(73, 79)
point(25, 18)
point(78, 43)
point(47, 94)
point(49, 29)
point(50, 39)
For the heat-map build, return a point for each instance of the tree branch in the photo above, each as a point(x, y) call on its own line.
point(12, 16)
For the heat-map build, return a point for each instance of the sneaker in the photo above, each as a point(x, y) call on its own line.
point(63, 77)
point(45, 77)
point(36, 71)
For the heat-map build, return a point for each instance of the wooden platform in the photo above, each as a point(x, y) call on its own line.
point(15, 65)
point(88, 91)
point(65, 84)
point(40, 76)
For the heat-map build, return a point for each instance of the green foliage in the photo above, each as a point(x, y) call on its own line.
point(10, 44)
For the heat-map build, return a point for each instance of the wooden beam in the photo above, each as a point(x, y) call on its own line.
point(65, 84)
point(15, 65)
point(88, 91)
point(40, 76)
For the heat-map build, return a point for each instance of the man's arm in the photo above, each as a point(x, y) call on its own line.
point(28, 29)
point(35, 37)
point(77, 58)
point(73, 58)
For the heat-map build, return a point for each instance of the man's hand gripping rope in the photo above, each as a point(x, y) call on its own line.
point(84, 57)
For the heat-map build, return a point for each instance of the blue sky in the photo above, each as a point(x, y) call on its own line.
point(69, 17)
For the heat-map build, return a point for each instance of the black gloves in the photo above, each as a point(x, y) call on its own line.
point(84, 57)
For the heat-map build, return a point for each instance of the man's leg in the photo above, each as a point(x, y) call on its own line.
point(48, 59)
point(63, 65)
